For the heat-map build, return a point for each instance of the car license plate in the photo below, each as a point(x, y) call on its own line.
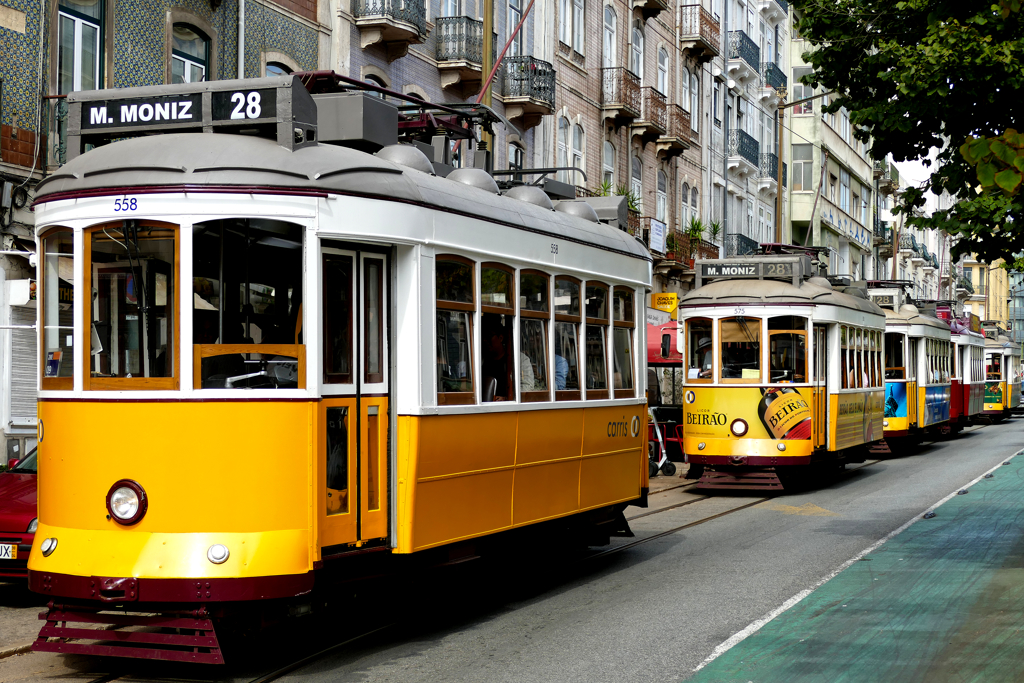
point(8, 552)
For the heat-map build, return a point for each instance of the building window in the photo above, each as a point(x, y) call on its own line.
point(865, 197)
point(450, 8)
point(79, 46)
point(609, 37)
point(189, 51)
point(571, 25)
point(579, 25)
point(801, 91)
point(844, 125)
point(277, 69)
point(636, 185)
point(684, 206)
point(662, 71)
point(608, 166)
point(684, 99)
point(844, 190)
point(516, 156)
point(563, 149)
point(377, 81)
point(636, 50)
point(579, 146)
point(515, 14)
point(694, 100)
point(661, 201)
point(694, 203)
point(714, 105)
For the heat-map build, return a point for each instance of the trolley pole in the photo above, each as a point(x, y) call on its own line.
point(487, 64)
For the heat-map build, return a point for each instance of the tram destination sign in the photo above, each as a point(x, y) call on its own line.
point(238, 105)
point(771, 269)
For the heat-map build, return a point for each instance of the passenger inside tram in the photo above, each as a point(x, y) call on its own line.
point(741, 348)
point(497, 368)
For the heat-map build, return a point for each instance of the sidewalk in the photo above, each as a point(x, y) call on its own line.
point(941, 601)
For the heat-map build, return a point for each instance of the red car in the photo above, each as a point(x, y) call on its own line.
point(17, 516)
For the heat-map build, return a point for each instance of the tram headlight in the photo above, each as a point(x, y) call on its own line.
point(127, 502)
point(701, 446)
point(48, 546)
point(781, 446)
point(218, 553)
point(739, 427)
point(885, 423)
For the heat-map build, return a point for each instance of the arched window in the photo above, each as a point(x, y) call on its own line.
point(684, 99)
point(563, 148)
point(608, 166)
point(377, 81)
point(663, 71)
point(609, 37)
point(277, 69)
point(516, 156)
point(579, 146)
point(684, 206)
point(661, 203)
point(189, 54)
point(636, 185)
point(694, 204)
point(636, 50)
point(515, 13)
point(694, 100)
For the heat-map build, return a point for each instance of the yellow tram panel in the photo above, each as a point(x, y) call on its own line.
point(855, 419)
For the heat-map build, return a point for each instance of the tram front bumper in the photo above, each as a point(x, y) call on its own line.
point(759, 452)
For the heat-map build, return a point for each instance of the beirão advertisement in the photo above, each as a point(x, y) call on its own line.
point(936, 405)
point(993, 394)
point(895, 399)
point(755, 412)
point(858, 418)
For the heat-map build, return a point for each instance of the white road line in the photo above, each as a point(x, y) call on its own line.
point(756, 626)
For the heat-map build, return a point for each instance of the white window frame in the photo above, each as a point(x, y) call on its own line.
point(636, 181)
point(579, 148)
point(684, 206)
point(563, 147)
point(79, 21)
point(515, 14)
point(608, 164)
point(610, 55)
point(579, 25)
point(663, 71)
point(636, 50)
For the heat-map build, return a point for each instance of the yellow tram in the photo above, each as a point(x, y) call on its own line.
point(783, 371)
point(262, 354)
point(918, 354)
point(1002, 374)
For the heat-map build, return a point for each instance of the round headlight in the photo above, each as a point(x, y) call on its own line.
point(48, 546)
point(781, 447)
point(126, 502)
point(32, 526)
point(701, 446)
point(885, 423)
point(218, 554)
point(739, 427)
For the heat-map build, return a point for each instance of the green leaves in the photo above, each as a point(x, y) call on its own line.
point(999, 160)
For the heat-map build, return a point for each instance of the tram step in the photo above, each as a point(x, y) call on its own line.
point(743, 479)
point(879, 448)
point(179, 636)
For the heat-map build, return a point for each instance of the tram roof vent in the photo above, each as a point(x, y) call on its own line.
point(819, 281)
point(908, 310)
point(474, 177)
point(408, 156)
point(278, 108)
point(532, 195)
point(579, 209)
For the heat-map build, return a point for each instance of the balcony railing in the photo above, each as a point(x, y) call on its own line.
point(620, 88)
point(698, 27)
point(769, 167)
point(529, 77)
point(744, 145)
point(654, 109)
point(742, 47)
point(679, 122)
point(980, 290)
point(906, 242)
point(459, 39)
point(784, 5)
point(408, 11)
point(966, 284)
point(634, 226)
point(739, 245)
point(772, 76)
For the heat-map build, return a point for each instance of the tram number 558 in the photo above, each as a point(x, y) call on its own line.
point(126, 204)
point(246, 106)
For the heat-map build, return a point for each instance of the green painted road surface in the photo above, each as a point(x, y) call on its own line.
point(942, 601)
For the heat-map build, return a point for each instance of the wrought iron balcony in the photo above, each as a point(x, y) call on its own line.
point(396, 24)
point(677, 138)
point(740, 245)
point(620, 93)
point(459, 50)
point(768, 172)
point(699, 32)
point(653, 120)
point(743, 153)
point(906, 243)
point(964, 284)
point(744, 58)
point(529, 89)
point(888, 177)
point(773, 77)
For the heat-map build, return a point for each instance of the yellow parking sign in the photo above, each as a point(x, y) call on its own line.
point(666, 301)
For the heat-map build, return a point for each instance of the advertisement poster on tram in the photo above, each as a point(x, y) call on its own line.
point(936, 405)
point(993, 395)
point(756, 413)
point(858, 418)
point(895, 399)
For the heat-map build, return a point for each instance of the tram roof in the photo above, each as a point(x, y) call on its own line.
point(914, 318)
point(774, 293)
point(212, 161)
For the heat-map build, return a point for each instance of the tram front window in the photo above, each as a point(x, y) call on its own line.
point(894, 367)
point(131, 309)
point(247, 305)
point(699, 350)
point(994, 368)
point(787, 336)
point(741, 349)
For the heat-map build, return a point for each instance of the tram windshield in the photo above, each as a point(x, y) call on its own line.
point(994, 367)
point(741, 349)
point(699, 349)
point(247, 305)
point(787, 336)
point(894, 363)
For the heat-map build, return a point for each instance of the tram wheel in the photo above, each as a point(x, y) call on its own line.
point(652, 469)
point(668, 469)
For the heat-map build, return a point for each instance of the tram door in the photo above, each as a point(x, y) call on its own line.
point(820, 420)
point(353, 420)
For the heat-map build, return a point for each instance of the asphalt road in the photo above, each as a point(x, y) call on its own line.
point(652, 612)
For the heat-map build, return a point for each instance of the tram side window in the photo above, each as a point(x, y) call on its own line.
point(247, 305)
point(567, 329)
point(622, 341)
point(787, 336)
point(497, 299)
point(913, 358)
point(58, 296)
point(844, 356)
point(860, 380)
point(131, 310)
point(455, 307)
point(534, 313)
point(596, 356)
point(894, 363)
point(879, 361)
point(741, 349)
point(699, 349)
point(872, 358)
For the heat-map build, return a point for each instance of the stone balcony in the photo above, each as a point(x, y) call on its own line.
point(395, 24)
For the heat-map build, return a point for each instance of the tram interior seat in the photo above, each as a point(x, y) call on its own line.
point(490, 387)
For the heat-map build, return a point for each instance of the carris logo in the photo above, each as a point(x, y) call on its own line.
point(623, 428)
point(690, 397)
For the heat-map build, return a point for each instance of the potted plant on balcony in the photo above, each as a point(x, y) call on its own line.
point(670, 245)
point(714, 231)
point(694, 233)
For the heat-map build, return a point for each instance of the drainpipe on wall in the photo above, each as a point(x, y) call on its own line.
point(241, 38)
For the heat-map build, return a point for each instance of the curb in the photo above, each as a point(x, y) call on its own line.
point(15, 650)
